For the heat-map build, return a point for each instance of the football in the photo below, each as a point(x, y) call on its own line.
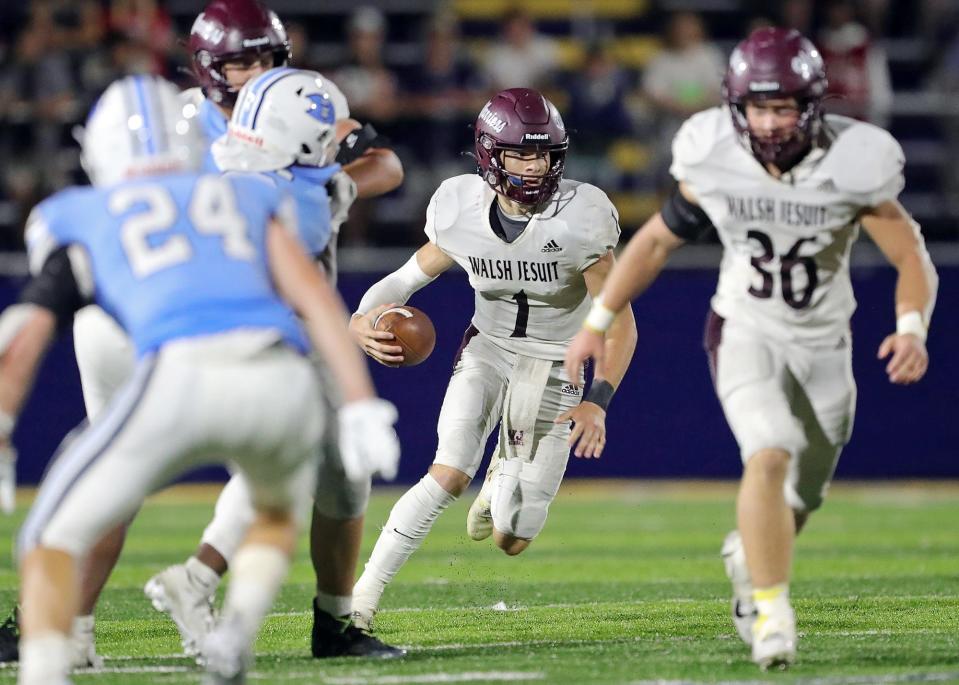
point(413, 330)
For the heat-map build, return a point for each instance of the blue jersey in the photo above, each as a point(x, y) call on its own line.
point(307, 185)
point(174, 256)
point(214, 124)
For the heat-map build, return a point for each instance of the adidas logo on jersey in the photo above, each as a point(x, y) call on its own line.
point(827, 186)
point(570, 389)
point(551, 246)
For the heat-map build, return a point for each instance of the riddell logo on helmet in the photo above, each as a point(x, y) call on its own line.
point(536, 136)
point(493, 121)
point(207, 30)
point(256, 42)
point(763, 86)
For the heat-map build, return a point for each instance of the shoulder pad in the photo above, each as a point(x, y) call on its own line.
point(863, 158)
point(450, 196)
point(699, 135)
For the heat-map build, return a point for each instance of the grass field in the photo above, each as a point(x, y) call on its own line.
point(625, 585)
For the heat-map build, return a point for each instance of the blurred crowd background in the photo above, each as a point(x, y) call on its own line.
point(624, 73)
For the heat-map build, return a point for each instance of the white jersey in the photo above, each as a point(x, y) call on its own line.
point(531, 296)
point(785, 266)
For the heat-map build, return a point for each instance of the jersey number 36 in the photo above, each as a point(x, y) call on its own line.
point(787, 264)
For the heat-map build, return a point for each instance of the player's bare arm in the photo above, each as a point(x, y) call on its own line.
point(377, 171)
point(638, 266)
point(26, 330)
point(395, 289)
point(302, 285)
point(898, 237)
point(588, 437)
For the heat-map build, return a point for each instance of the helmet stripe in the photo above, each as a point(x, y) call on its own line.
point(145, 114)
point(256, 112)
point(130, 109)
point(155, 107)
point(257, 89)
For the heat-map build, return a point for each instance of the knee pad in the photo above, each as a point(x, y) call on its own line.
point(519, 503)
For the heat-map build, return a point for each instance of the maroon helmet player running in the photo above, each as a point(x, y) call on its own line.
point(786, 188)
point(535, 246)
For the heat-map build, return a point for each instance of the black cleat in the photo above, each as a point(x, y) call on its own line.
point(10, 638)
point(333, 637)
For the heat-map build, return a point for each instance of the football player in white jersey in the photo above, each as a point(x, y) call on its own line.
point(231, 42)
point(787, 188)
point(535, 247)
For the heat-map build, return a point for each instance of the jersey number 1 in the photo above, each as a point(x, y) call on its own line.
point(212, 211)
point(787, 262)
point(522, 315)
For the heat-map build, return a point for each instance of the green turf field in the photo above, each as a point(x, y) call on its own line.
point(624, 585)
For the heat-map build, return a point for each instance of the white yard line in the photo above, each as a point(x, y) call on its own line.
point(466, 677)
point(877, 679)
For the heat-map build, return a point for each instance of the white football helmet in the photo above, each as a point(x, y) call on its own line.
point(140, 127)
point(284, 116)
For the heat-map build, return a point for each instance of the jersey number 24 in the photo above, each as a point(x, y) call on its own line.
point(212, 211)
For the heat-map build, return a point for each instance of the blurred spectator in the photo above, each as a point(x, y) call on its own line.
point(302, 57)
point(370, 87)
point(523, 58)
point(682, 79)
point(38, 85)
point(597, 110)
point(444, 92)
point(798, 14)
point(145, 22)
point(77, 25)
point(856, 67)
point(118, 56)
point(945, 81)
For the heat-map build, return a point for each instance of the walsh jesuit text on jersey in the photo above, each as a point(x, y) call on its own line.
point(775, 211)
point(515, 270)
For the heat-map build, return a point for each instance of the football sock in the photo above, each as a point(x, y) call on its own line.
point(338, 606)
point(258, 571)
point(409, 522)
point(772, 600)
point(44, 659)
point(201, 576)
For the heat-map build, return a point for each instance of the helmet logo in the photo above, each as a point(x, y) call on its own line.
point(321, 108)
point(763, 86)
point(493, 121)
point(535, 136)
point(207, 30)
point(255, 42)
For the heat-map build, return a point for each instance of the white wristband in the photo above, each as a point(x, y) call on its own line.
point(7, 423)
point(600, 318)
point(911, 323)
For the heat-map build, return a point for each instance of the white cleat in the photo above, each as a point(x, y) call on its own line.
point(83, 650)
point(226, 656)
point(742, 605)
point(479, 520)
point(774, 640)
point(191, 608)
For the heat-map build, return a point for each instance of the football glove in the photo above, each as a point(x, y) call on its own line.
point(342, 191)
point(8, 478)
point(368, 443)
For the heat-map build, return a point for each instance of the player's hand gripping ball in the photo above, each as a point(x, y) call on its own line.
point(413, 330)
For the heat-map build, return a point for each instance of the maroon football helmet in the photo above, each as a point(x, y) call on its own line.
point(774, 63)
point(229, 30)
point(523, 120)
